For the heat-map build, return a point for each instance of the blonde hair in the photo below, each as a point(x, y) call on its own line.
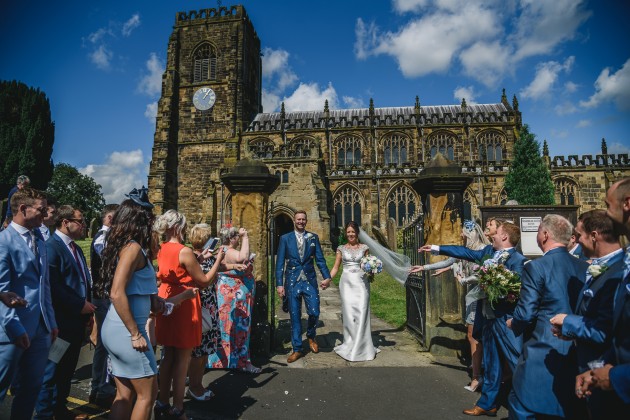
point(226, 234)
point(171, 221)
point(199, 234)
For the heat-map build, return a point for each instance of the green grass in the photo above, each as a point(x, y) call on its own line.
point(387, 297)
point(85, 247)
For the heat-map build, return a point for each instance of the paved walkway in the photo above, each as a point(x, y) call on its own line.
point(398, 347)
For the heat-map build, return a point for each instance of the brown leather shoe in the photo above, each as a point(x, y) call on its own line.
point(313, 345)
point(294, 356)
point(478, 411)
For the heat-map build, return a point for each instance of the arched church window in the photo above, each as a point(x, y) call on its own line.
point(347, 204)
point(490, 145)
point(349, 151)
point(204, 63)
point(444, 142)
point(566, 192)
point(261, 148)
point(503, 197)
point(301, 147)
point(402, 203)
point(395, 150)
point(285, 177)
point(227, 210)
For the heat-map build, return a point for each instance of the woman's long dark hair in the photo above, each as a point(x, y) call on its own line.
point(131, 222)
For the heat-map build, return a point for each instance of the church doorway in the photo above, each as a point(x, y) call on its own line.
point(283, 224)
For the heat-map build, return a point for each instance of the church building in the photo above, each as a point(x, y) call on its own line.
point(337, 164)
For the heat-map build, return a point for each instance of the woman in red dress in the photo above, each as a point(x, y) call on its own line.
point(179, 332)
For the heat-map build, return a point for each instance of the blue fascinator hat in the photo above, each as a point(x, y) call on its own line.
point(140, 196)
point(469, 225)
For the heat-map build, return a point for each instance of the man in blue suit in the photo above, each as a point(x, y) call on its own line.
point(26, 332)
point(591, 325)
point(544, 373)
point(298, 252)
point(70, 287)
point(498, 342)
point(615, 375)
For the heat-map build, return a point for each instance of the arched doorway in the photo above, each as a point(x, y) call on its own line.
point(283, 224)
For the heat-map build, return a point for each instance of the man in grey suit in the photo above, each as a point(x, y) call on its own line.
point(26, 332)
point(542, 384)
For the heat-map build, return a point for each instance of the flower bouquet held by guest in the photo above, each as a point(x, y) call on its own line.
point(354, 288)
point(180, 331)
point(128, 278)
point(210, 336)
point(474, 239)
point(235, 298)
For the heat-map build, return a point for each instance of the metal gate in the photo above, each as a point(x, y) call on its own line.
point(271, 275)
point(413, 238)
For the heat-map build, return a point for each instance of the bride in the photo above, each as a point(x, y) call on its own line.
point(354, 288)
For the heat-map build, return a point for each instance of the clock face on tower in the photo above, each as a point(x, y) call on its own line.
point(204, 98)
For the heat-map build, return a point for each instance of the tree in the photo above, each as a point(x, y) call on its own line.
point(27, 134)
point(69, 186)
point(529, 181)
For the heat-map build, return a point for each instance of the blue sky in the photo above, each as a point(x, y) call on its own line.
point(100, 64)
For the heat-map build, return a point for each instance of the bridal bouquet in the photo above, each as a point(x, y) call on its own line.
point(498, 282)
point(371, 265)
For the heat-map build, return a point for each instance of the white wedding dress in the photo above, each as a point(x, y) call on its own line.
point(354, 288)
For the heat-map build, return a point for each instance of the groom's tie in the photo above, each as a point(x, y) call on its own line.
point(300, 241)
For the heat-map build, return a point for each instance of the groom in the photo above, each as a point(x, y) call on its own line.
point(299, 249)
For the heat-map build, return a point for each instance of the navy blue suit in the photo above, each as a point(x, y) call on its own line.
point(544, 378)
point(289, 267)
point(619, 354)
point(496, 338)
point(22, 273)
point(69, 292)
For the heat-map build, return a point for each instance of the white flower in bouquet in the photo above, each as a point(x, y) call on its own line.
point(371, 265)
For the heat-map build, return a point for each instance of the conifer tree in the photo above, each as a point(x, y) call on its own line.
point(528, 180)
point(27, 134)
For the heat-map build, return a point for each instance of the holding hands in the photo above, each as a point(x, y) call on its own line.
point(12, 300)
point(591, 379)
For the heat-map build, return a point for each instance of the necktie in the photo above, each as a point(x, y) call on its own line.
point(79, 263)
point(33, 244)
point(300, 240)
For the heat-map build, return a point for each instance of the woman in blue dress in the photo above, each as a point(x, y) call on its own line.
point(130, 282)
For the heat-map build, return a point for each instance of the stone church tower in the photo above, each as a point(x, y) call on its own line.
point(211, 90)
point(337, 165)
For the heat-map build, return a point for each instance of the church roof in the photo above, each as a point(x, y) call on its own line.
point(427, 115)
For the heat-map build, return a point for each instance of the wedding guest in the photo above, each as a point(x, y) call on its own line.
point(235, 296)
point(574, 246)
point(474, 238)
point(51, 215)
point(22, 182)
point(211, 334)
point(180, 332)
point(545, 370)
point(499, 343)
point(614, 376)
point(128, 279)
point(591, 326)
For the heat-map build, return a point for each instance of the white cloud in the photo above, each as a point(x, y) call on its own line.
point(276, 69)
point(309, 97)
point(584, 123)
point(565, 108)
point(618, 148)
point(98, 35)
point(570, 87)
point(545, 78)
point(613, 87)
point(465, 92)
point(436, 34)
point(121, 172)
point(151, 111)
point(543, 25)
point(351, 102)
point(102, 57)
point(131, 24)
point(151, 83)
point(270, 101)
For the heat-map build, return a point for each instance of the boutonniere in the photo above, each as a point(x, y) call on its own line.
point(308, 236)
point(504, 256)
point(597, 270)
point(589, 293)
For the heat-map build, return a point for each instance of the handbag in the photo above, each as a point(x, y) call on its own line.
point(206, 320)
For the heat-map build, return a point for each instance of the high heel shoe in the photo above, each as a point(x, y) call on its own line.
point(161, 411)
point(474, 385)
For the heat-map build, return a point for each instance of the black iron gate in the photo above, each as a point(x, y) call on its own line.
point(271, 275)
point(413, 238)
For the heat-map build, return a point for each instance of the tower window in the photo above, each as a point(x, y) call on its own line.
point(205, 63)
